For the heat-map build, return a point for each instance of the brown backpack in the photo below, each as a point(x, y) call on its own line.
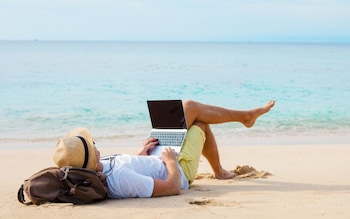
point(66, 184)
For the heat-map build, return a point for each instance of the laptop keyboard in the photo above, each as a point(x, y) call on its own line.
point(168, 138)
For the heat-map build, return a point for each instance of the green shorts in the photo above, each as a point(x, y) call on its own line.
point(191, 151)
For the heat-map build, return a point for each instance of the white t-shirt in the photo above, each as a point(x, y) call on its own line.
point(132, 176)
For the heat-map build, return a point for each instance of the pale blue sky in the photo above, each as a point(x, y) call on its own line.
point(182, 20)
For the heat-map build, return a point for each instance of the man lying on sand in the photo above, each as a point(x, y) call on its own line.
point(151, 176)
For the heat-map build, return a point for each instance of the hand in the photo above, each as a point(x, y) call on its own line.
point(168, 155)
point(148, 145)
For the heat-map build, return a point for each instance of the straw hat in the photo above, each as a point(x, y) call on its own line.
point(76, 149)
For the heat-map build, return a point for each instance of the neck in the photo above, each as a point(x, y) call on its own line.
point(99, 167)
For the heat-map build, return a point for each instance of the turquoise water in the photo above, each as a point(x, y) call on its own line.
point(46, 88)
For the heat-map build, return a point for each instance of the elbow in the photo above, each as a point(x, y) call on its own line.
point(166, 188)
point(176, 189)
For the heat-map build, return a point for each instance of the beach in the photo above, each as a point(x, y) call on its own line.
point(50, 87)
point(306, 181)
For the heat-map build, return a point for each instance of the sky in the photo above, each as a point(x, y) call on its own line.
point(176, 20)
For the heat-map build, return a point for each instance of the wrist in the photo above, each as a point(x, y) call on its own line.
point(170, 162)
point(142, 151)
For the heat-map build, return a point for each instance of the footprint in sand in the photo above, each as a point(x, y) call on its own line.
point(201, 202)
point(202, 190)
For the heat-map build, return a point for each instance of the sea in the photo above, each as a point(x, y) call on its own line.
point(50, 87)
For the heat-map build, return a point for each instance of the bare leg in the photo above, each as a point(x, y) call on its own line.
point(202, 115)
point(208, 114)
point(211, 153)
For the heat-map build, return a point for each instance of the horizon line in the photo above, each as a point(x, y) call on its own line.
point(182, 41)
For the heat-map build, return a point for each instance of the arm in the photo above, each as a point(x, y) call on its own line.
point(172, 184)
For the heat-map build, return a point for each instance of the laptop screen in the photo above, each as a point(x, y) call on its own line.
point(166, 114)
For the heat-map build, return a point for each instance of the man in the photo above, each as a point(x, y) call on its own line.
point(150, 176)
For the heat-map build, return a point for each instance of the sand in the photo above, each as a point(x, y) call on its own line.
point(305, 181)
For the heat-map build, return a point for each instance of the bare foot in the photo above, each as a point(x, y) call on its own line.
point(253, 114)
point(224, 175)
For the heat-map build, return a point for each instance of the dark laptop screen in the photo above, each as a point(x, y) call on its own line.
point(166, 114)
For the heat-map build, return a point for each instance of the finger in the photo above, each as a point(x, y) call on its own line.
point(155, 141)
point(169, 150)
point(150, 140)
point(165, 150)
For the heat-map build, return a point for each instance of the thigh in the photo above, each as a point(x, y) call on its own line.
point(191, 151)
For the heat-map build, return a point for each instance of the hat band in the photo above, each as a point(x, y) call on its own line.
point(86, 159)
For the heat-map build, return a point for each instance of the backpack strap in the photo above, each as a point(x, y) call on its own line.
point(86, 159)
point(20, 196)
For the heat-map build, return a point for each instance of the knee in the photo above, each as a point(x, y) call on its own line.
point(188, 103)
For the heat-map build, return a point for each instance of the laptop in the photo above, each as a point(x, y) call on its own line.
point(168, 124)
